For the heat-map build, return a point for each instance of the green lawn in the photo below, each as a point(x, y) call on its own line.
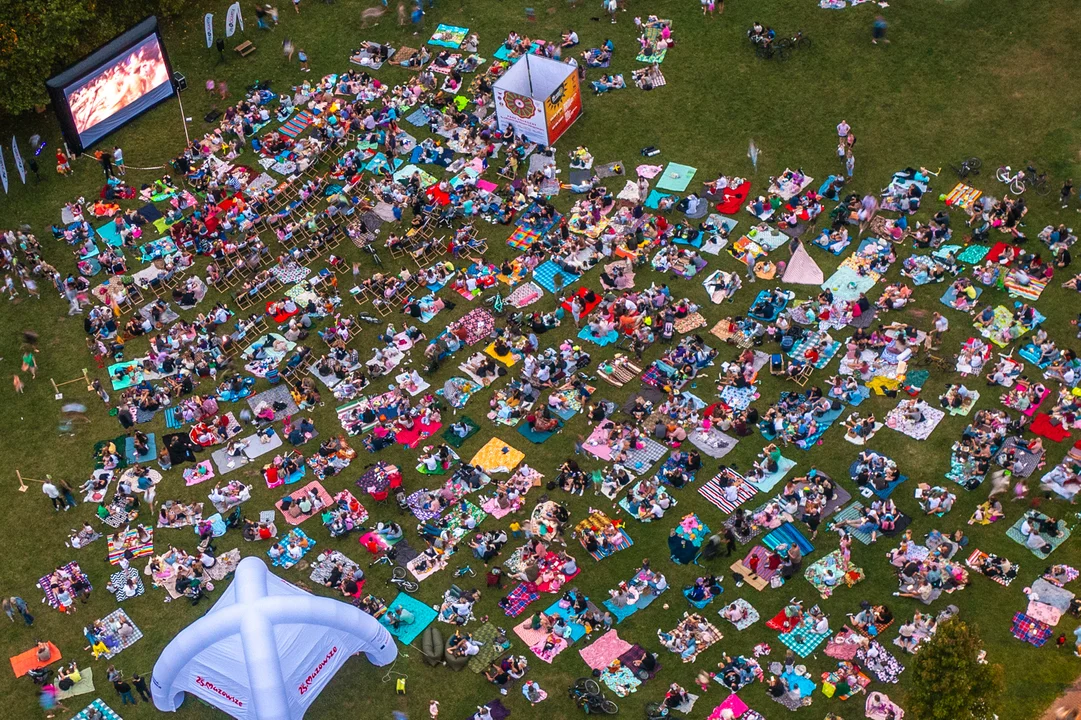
point(959, 78)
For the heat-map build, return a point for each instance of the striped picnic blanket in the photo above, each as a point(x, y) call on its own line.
point(713, 492)
point(129, 540)
point(297, 125)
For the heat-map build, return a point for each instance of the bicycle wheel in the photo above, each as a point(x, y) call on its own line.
point(1002, 174)
point(409, 586)
point(609, 707)
point(589, 685)
point(762, 52)
point(804, 43)
point(974, 164)
point(398, 573)
point(1017, 187)
point(1042, 187)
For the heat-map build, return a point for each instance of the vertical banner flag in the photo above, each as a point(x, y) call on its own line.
point(752, 153)
point(208, 25)
point(232, 19)
point(3, 171)
point(18, 159)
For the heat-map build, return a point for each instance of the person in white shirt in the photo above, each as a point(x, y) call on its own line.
point(53, 493)
point(842, 129)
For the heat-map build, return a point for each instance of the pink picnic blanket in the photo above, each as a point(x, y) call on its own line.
point(733, 703)
point(1043, 612)
point(607, 648)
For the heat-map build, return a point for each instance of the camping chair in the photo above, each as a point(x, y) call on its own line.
point(801, 375)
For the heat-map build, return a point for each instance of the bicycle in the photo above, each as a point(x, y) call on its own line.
point(398, 578)
point(1037, 180)
point(796, 41)
point(770, 50)
point(587, 695)
point(1014, 181)
point(465, 570)
point(969, 166)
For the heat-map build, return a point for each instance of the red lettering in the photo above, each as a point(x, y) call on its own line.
point(204, 683)
point(306, 685)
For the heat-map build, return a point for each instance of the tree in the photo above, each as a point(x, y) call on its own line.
point(947, 679)
point(41, 37)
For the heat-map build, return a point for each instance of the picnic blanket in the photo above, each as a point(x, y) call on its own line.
point(497, 456)
point(715, 493)
point(604, 650)
point(1030, 630)
point(112, 641)
point(830, 572)
point(676, 177)
point(802, 639)
point(423, 616)
point(99, 710)
point(750, 615)
point(24, 662)
point(296, 519)
point(932, 416)
point(85, 685)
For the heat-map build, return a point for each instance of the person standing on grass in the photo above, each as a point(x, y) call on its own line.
point(611, 7)
point(124, 690)
point(878, 31)
point(106, 161)
point(296, 6)
point(118, 160)
point(139, 682)
point(939, 327)
point(708, 7)
point(303, 58)
point(63, 164)
point(22, 609)
point(1067, 190)
point(52, 492)
point(260, 17)
point(67, 492)
point(288, 49)
point(748, 260)
point(97, 387)
point(850, 162)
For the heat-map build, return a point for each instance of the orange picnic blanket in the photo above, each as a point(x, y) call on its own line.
point(27, 661)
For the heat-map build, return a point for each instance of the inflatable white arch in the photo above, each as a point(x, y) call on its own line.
point(266, 649)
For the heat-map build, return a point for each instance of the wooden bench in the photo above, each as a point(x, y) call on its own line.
point(245, 48)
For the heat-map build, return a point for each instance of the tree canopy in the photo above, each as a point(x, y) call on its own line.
point(948, 681)
point(40, 37)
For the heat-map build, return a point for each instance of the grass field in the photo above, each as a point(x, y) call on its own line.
point(960, 78)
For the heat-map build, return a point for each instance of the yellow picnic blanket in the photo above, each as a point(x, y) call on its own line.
point(492, 456)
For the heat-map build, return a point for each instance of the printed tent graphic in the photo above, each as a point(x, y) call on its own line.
point(266, 649)
point(540, 97)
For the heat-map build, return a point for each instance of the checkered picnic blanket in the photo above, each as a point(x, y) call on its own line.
point(752, 614)
point(519, 598)
point(115, 643)
point(523, 237)
point(103, 711)
point(803, 640)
